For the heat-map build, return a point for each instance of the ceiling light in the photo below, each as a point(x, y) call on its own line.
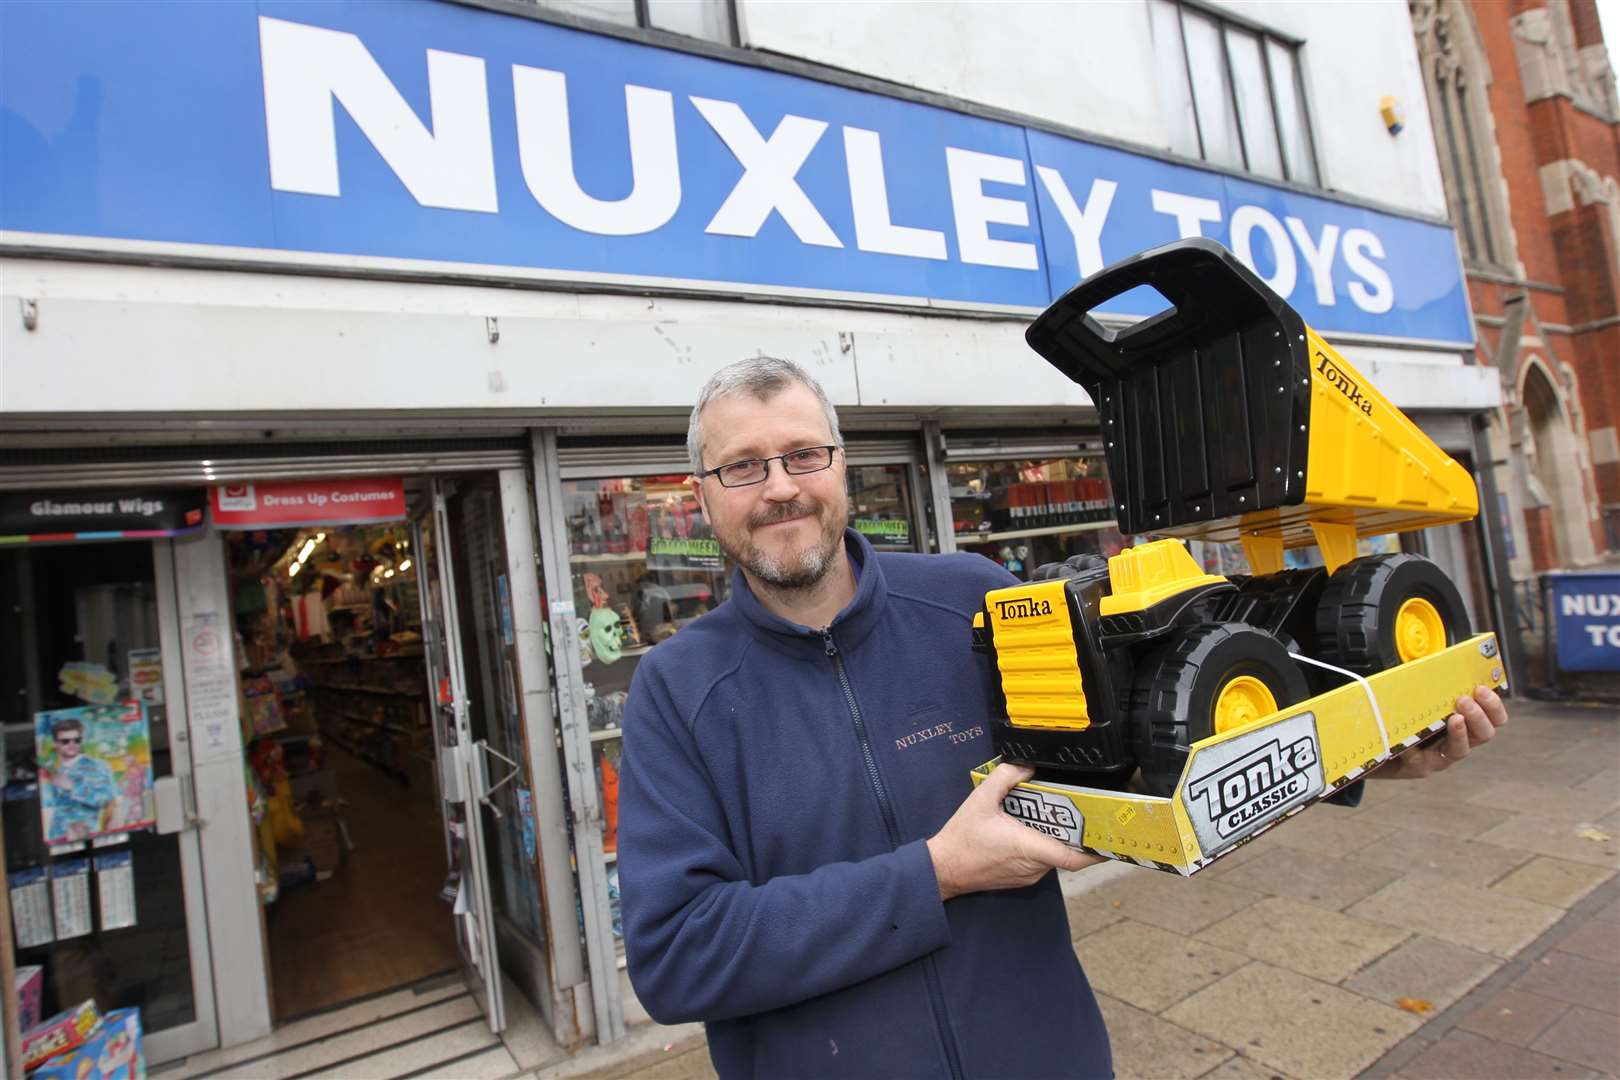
point(404, 566)
point(309, 546)
point(292, 571)
point(388, 573)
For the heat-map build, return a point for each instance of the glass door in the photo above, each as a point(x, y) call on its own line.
point(463, 782)
point(103, 866)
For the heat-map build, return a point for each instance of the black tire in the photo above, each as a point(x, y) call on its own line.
point(1179, 680)
point(1355, 618)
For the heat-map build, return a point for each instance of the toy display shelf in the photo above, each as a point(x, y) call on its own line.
point(1044, 530)
point(1240, 783)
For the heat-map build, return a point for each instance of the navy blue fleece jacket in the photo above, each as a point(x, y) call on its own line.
point(777, 788)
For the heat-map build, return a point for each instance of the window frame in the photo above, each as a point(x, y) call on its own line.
point(1225, 22)
point(644, 23)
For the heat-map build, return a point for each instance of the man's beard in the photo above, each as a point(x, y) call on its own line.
point(800, 570)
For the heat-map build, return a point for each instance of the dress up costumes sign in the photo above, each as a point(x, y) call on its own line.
point(466, 138)
point(358, 501)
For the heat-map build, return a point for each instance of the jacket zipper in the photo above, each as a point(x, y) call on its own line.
point(930, 971)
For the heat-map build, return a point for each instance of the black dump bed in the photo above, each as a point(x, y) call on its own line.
point(1204, 406)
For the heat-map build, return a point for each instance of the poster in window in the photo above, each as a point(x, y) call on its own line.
point(95, 771)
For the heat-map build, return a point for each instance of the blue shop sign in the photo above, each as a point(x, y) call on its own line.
point(466, 138)
point(1586, 621)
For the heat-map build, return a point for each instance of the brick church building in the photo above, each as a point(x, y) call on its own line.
point(1526, 122)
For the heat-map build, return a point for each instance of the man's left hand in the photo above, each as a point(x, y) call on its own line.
point(1473, 724)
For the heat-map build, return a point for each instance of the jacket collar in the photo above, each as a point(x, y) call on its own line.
point(849, 627)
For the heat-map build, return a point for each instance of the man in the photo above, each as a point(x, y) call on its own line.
point(81, 787)
point(799, 866)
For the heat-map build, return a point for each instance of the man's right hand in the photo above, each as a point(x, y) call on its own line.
point(982, 847)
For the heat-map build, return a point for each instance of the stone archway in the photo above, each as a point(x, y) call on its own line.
point(1553, 468)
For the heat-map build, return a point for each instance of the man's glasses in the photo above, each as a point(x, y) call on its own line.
point(754, 470)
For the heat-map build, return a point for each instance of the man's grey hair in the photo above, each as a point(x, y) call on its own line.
point(762, 377)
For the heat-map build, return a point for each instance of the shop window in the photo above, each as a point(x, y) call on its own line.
point(711, 20)
point(1023, 513)
point(97, 896)
point(1232, 93)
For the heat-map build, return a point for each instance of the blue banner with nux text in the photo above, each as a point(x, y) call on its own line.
point(465, 139)
point(1586, 620)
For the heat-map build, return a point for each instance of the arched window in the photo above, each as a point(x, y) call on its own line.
point(1456, 76)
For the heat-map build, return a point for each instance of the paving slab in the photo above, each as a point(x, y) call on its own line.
point(1239, 1067)
point(1151, 968)
point(1423, 969)
point(1328, 830)
point(1313, 941)
point(1547, 800)
point(1585, 1037)
point(1459, 913)
point(1598, 941)
point(1322, 880)
point(1574, 979)
point(1149, 1048)
point(1558, 882)
point(1514, 1016)
point(1090, 912)
point(1431, 813)
point(1171, 902)
point(1464, 1054)
point(1559, 839)
point(1452, 857)
point(1328, 1032)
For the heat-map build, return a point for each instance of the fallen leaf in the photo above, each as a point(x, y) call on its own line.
point(1116, 903)
point(1415, 1005)
point(1587, 832)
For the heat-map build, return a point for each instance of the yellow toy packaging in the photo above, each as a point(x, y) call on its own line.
point(1234, 701)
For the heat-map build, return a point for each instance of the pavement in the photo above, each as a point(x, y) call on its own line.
point(1467, 925)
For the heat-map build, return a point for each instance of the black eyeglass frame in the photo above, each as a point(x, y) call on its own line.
point(765, 464)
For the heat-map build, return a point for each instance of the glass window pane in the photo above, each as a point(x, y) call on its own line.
point(1296, 136)
point(1254, 103)
point(707, 19)
point(880, 506)
point(1211, 92)
point(622, 12)
point(1024, 514)
point(1170, 65)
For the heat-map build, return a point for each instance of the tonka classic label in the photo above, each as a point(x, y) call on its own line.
point(1045, 812)
point(1236, 786)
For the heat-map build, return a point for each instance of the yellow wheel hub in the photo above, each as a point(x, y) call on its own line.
point(1243, 699)
point(1419, 630)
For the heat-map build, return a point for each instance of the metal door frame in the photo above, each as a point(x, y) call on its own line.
point(462, 780)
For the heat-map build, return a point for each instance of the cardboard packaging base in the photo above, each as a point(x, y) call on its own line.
point(1240, 783)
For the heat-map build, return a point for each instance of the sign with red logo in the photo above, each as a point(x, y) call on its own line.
point(284, 504)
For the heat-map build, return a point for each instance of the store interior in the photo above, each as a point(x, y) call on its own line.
point(338, 731)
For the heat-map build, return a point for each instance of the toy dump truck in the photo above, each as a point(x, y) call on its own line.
point(1225, 418)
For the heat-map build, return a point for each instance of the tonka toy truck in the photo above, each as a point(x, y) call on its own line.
point(1226, 418)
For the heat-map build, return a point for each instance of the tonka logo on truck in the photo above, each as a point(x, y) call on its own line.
point(1342, 382)
point(1023, 607)
point(1239, 785)
point(1047, 813)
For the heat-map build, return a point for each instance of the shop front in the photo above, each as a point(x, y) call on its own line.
point(432, 423)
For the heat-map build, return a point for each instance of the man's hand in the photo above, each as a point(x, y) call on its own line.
point(1473, 724)
point(982, 847)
